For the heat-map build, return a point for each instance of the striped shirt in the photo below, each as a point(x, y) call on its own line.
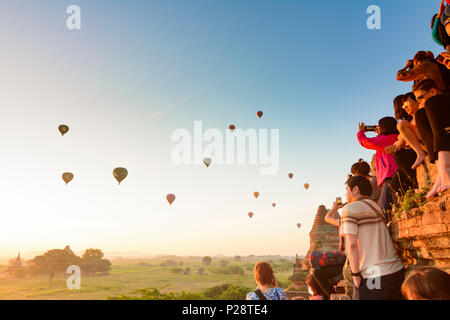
point(377, 254)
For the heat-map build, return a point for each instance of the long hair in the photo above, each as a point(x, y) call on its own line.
point(427, 284)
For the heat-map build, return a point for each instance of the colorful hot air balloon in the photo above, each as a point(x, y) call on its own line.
point(259, 114)
point(120, 174)
point(299, 225)
point(207, 162)
point(63, 129)
point(256, 194)
point(170, 198)
point(232, 127)
point(250, 215)
point(274, 204)
point(306, 185)
point(290, 175)
point(67, 177)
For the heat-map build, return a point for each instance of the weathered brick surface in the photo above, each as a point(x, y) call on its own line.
point(423, 235)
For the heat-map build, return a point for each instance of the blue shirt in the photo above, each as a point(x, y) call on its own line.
point(273, 294)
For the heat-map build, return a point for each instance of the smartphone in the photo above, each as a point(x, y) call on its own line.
point(338, 200)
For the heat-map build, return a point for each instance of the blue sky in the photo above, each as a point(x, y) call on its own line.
point(138, 70)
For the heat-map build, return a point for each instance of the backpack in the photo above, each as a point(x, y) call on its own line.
point(323, 259)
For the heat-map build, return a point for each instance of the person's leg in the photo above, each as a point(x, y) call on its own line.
point(426, 133)
point(408, 133)
point(396, 285)
point(386, 199)
point(438, 113)
point(444, 166)
point(406, 178)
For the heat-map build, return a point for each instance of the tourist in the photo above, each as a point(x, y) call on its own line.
point(442, 25)
point(314, 290)
point(441, 32)
point(433, 123)
point(422, 67)
point(377, 271)
point(362, 169)
point(409, 152)
point(267, 284)
point(427, 284)
point(385, 163)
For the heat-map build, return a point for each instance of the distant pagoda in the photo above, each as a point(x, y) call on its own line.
point(323, 236)
point(298, 278)
point(16, 264)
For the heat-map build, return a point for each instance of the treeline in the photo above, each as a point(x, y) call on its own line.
point(57, 261)
point(223, 292)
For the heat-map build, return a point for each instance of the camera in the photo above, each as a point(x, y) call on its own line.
point(371, 128)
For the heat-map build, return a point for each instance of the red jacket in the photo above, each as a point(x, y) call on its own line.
point(385, 163)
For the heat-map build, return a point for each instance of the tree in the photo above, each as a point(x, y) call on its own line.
point(201, 271)
point(234, 292)
point(187, 270)
point(92, 262)
point(53, 262)
point(237, 259)
point(206, 261)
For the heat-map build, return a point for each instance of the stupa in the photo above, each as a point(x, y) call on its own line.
point(323, 236)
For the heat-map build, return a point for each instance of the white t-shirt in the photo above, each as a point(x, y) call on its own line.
point(377, 254)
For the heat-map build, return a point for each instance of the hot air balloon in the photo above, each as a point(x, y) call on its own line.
point(256, 194)
point(306, 185)
point(299, 225)
point(259, 114)
point(290, 175)
point(170, 198)
point(63, 129)
point(67, 177)
point(232, 127)
point(120, 174)
point(274, 204)
point(250, 215)
point(207, 162)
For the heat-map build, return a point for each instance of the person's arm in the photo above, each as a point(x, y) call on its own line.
point(350, 230)
point(329, 218)
point(416, 73)
point(351, 248)
point(368, 143)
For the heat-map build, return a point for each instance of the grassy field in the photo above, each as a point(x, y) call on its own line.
point(127, 275)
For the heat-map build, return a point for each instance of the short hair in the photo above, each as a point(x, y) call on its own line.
point(361, 168)
point(263, 273)
point(388, 125)
point(425, 85)
point(427, 283)
point(423, 56)
point(362, 183)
